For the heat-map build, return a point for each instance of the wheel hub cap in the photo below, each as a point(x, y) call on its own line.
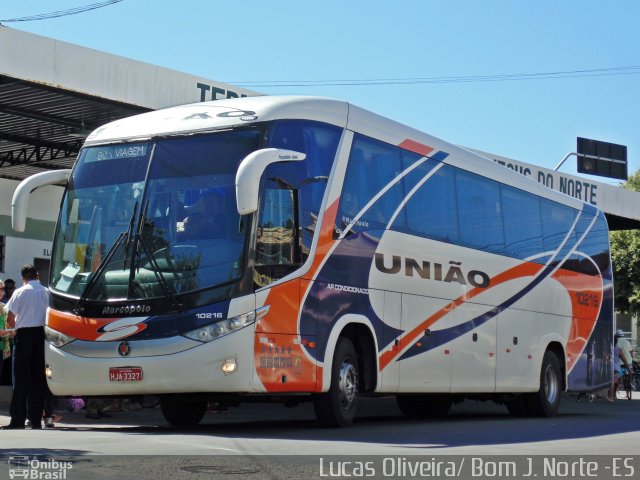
point(348, 384)
point(551, 385)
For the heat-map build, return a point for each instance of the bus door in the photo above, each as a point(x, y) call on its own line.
point(282, 359)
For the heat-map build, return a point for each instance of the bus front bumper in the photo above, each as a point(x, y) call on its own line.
point(83, 369)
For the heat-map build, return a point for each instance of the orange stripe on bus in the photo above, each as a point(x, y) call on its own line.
point(82, 328)
point(416, 147)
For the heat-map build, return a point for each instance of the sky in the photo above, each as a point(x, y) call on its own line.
point(296, 42)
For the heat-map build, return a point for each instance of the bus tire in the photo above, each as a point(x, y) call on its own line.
point(546, 401)
point(337, 407)
point(423, 406)
point(180, 413)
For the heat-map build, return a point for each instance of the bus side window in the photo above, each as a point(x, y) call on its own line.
point(372, 174)
point(431, 212)
point(596, 243)
point(522, 223)
point(479, 212)
point(319, 142)
point(557, 219)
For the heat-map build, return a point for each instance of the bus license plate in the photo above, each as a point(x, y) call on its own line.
point(125, 374)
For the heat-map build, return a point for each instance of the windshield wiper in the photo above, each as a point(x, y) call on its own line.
point(141, 245)
point(79, 306)
point(137, 246)
point(132, 220)
point(175, 303)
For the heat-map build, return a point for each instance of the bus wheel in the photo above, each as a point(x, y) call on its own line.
point(180, 413)
point(337, 407)
point(423, 406)
point(546, 401)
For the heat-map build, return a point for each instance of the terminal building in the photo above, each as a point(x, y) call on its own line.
point(53, 94)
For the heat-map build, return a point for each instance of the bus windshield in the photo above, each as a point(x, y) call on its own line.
point(153, 219)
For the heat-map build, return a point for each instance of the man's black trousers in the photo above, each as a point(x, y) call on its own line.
point(29, 383)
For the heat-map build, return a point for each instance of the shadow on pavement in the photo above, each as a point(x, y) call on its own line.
point(470, 423)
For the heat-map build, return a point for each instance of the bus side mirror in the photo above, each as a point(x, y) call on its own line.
point(250, 171)
point(20, 200)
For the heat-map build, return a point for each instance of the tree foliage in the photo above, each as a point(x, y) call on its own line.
point(625, 254)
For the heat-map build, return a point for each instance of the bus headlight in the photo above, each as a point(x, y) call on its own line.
point(56, 338)
point(221, 328)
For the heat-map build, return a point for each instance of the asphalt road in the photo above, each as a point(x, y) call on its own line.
point(471, 428)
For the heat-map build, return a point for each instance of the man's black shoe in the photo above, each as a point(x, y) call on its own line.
point(12, 427)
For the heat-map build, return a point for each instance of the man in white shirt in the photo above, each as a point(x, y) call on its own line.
point(619, 359)
point(625, 345)
point(27, 311)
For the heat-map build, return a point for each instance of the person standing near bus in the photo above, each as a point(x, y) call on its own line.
point(625, 345)
point(619, 358)
point(9, 288)
point(6, 290)
point(5, 346)
point(26, 318)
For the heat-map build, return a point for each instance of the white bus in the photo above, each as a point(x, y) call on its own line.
point(295, 248)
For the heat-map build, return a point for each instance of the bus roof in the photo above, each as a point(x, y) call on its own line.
point(219, 114)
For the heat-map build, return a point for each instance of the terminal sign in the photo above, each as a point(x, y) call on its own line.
point(602, 158)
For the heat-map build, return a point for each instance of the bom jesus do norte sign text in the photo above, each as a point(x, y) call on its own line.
point(612, 199)
point(572, 186)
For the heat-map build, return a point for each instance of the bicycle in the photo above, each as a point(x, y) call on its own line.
point(625, 384)
point(635, 376)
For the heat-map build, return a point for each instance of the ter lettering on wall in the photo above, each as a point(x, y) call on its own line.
point(211, 92)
